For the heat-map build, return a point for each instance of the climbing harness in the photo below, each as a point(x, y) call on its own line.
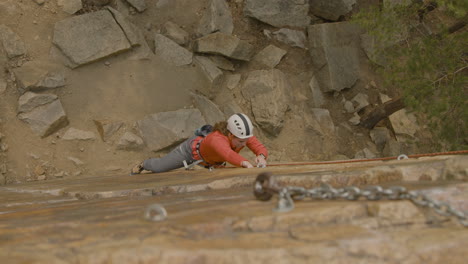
point(155, 213)
point(265, 187)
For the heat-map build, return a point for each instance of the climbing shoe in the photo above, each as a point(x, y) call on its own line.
point(137, 169)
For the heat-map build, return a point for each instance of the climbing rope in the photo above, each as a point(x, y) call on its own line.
point(400, 157)
point(265, 187)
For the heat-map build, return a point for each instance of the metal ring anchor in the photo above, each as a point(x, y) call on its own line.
point(402, 156)
point(155, 213)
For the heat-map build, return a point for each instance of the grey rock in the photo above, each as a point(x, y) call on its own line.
point(87, 38)
point(107, 128)
point(77, 134)
point(171, 52)
point(70, 6)
point(317, 94)
point(267, 90)
point(30, 100)
point(213, 73)
point(209, 110)
point(175, 32)
point(293, 38)
point(39, 75)
point(279, 13)
point(232, 80)
point(226, 45)
point(46, 119)
point(139, 5)
point(12, 44)
point(129, 29)
point(217, 18)
point(360, 101)
point(270, 56)
point(166, 129)
point(130, 141)
point(326, 122)
point(334, 48)
point(331, 10)
point(222, 63)
point(365, 154)
point(355, 120)
point(380, 136)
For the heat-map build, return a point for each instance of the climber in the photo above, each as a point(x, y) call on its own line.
point(212, 147)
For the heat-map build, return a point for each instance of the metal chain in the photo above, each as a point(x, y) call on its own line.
point(265, 187)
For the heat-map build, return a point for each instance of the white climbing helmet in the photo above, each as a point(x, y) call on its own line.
point(240, 126)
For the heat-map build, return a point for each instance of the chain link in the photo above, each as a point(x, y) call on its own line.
point(289, 194)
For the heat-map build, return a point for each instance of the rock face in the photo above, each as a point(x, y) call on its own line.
point(279, 13)
point(89, 37)
point(46, 119)
point(11, 42)
point(226, 45)
point(217, 18)
point(272, 86)
point(163, 130)
point(202, 226)
point(334, 49)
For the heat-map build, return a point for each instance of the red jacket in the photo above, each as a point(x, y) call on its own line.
point(216, 148)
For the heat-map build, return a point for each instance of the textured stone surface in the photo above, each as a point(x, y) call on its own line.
point(214, 218)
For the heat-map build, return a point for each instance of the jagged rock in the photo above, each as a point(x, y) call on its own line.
point(39, 75)
point(209, 110)
point(293, 38)
point(30, 100)
point(331, 10)
point(46, 119)
point(270, 56)
point(175, 32)
point(129, 29)
point(139, 5)
point(360, 101)
point(403, 123)
point(130, 141)
point(170, 51)
point(226, 45)
point(211, 71)
point(334, 48)
point(77, 134)
point(279, 13)
point(267, 90)
point(12, 44)
point(107, 128)
point(364, 154)
point(222, 63)
point(90, 37)
point(165, 129)
point(232, 80)
point(217, 18)
point(380, 136)
point(70, 6)
point(355, 120)
point(326, 122)
point(317, 94)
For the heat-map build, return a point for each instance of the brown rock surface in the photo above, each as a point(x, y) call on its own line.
point(214, 218)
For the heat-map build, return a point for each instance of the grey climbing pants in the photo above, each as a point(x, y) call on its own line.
point(173, 160)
